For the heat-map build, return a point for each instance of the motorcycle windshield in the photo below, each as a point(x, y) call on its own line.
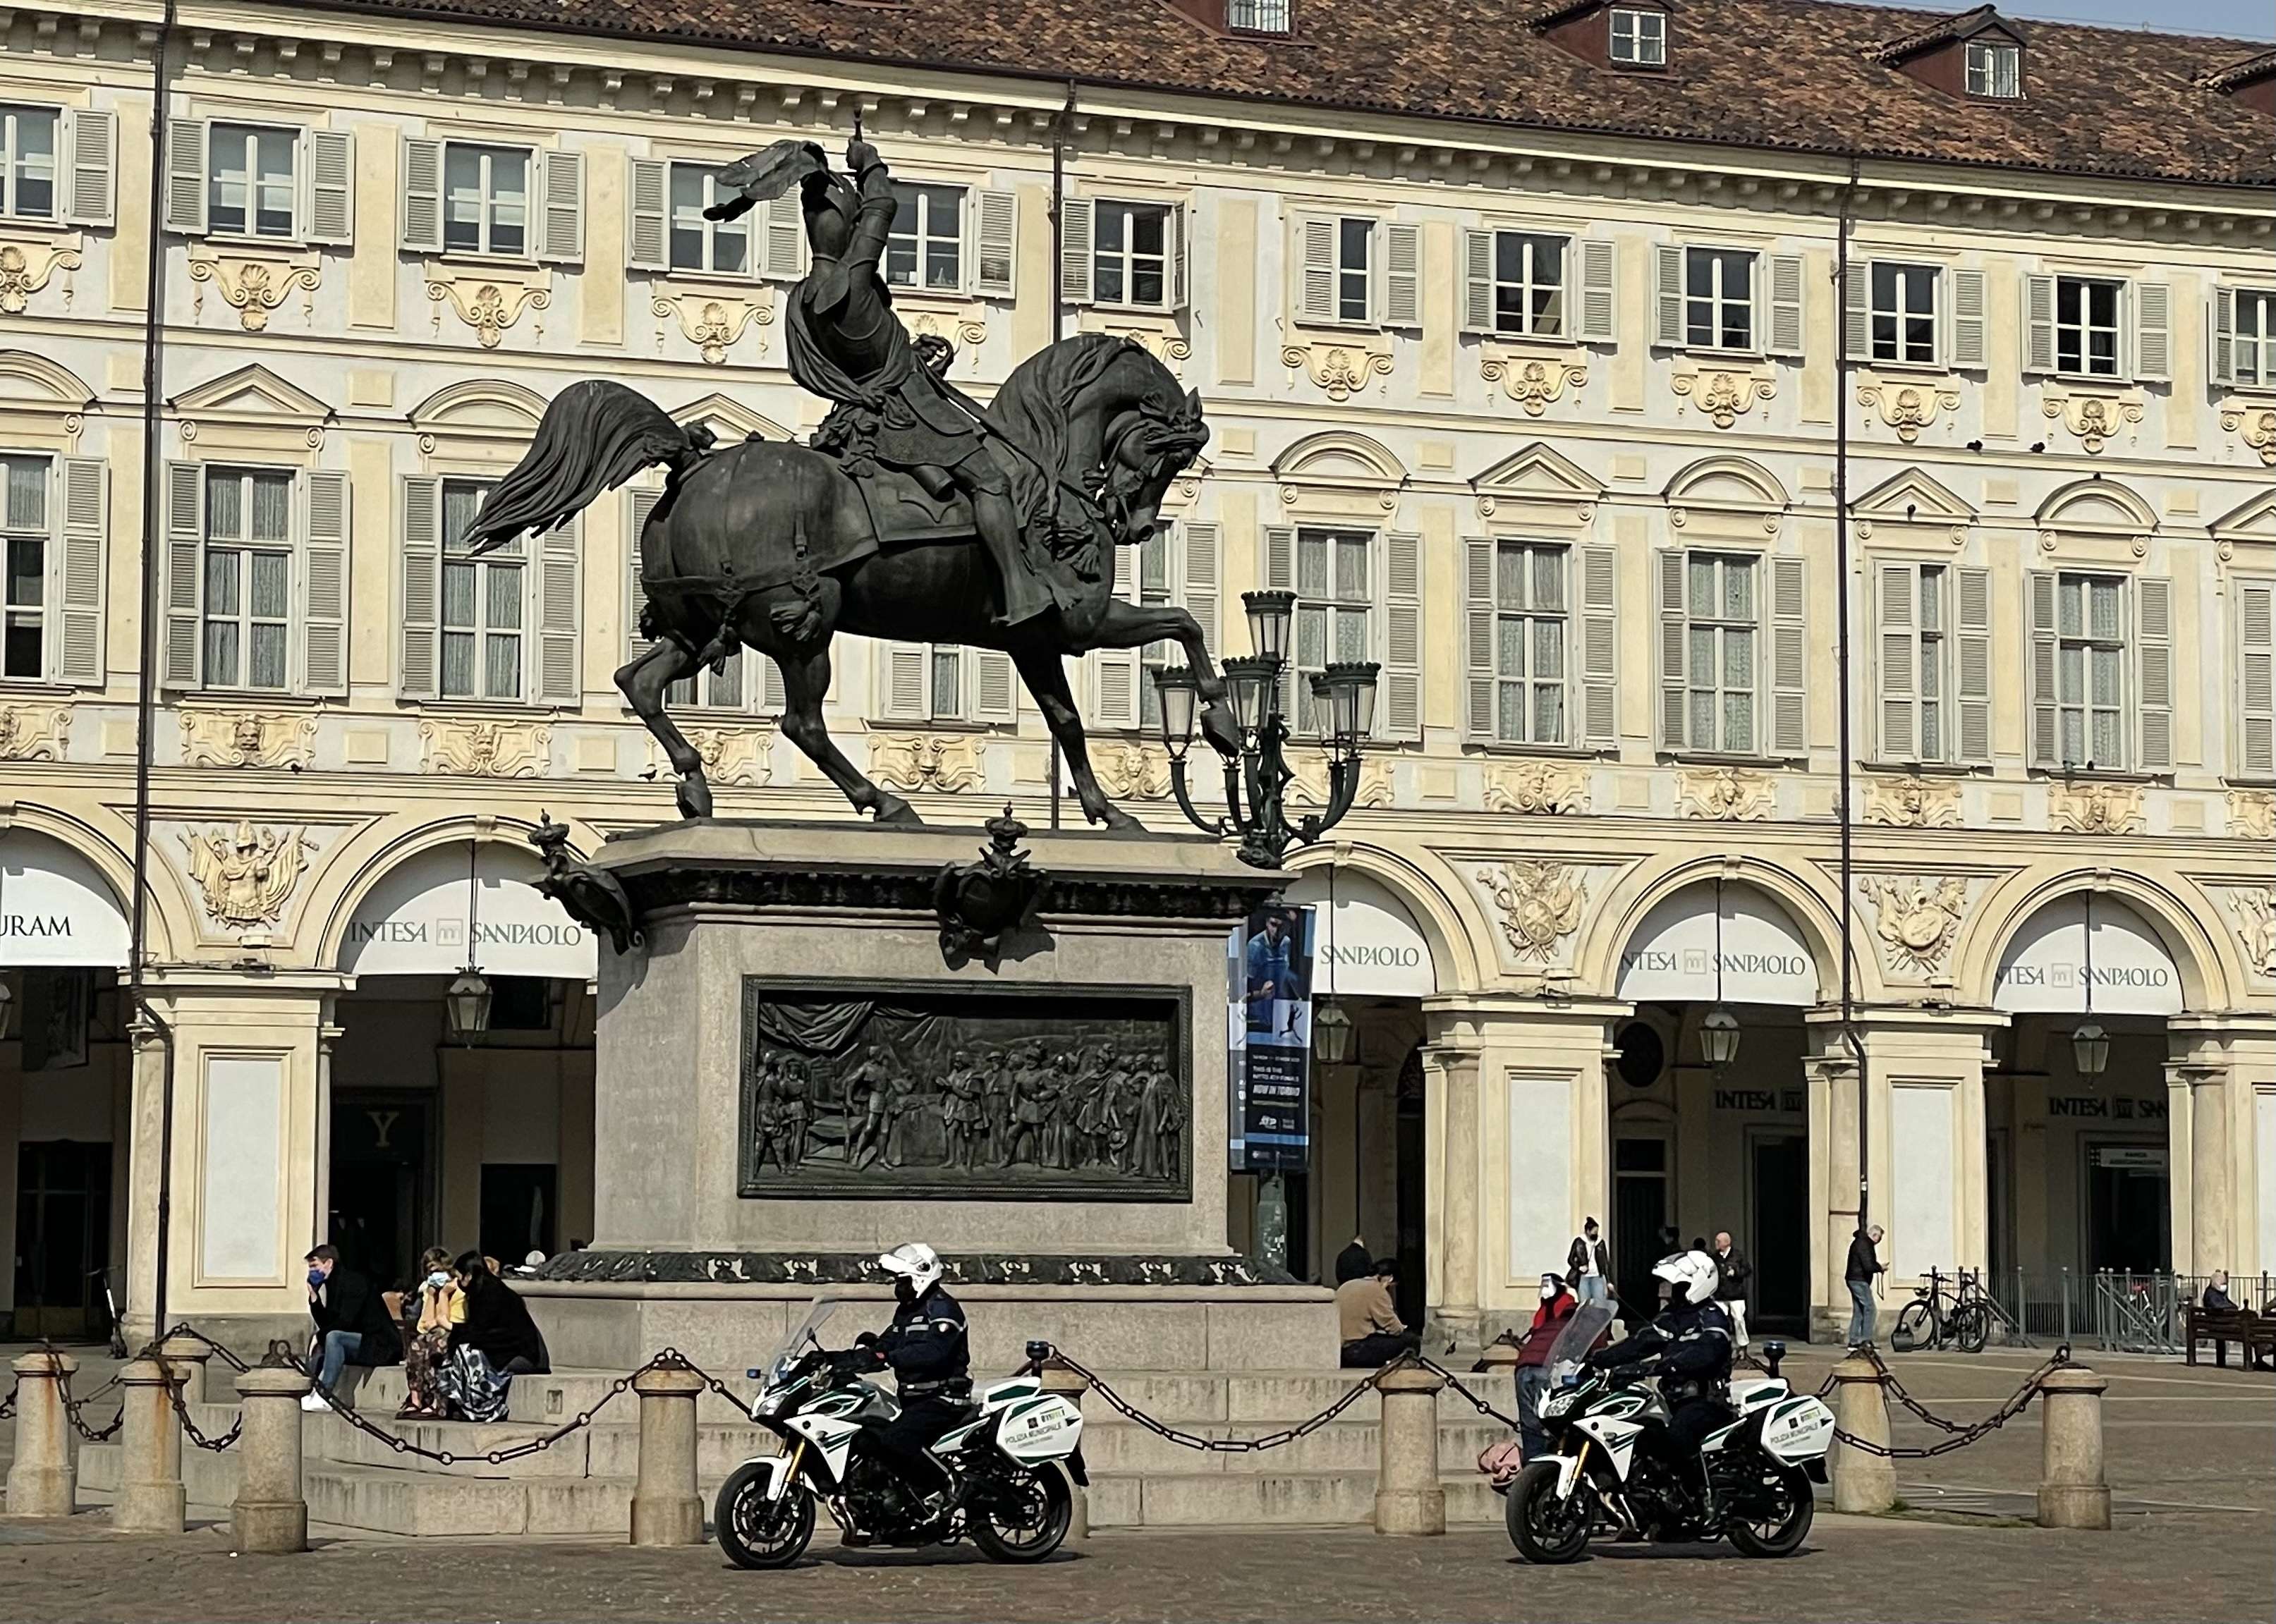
point(809, 1334)
point(1589, 1323)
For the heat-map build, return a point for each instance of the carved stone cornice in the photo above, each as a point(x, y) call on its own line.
point(256, 284)
point(1161, 335)
point(944, 764)
point(1728, 795)
point(485, 750)
point(962, 322)
point(1537, 788)
point(1918, 919)
point(1128, 771)
point(911, 891)
point(25, 268)
point(2252, 815)
point(713, 321)
point(733, 1268)
point(1537, 906)
point(2096, 808)
point(1308, 782)
point(1913, 802)
point(736, 756)
point(1531, 375)
point(1724, 393)
point(2095, 417)
point(1907, 405)
point(488, 299)
point(2255, 908)
point(34, 732)
point(1342, 366)
point(2253, 422)
point(234, 738)
point(244, 878)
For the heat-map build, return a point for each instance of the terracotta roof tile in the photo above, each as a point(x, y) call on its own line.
point(1792, 74)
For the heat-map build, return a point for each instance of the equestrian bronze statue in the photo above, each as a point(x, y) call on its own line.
point(915, 514)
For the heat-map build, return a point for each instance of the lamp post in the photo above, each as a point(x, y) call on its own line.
point(2089, 1045)
point(1256, 807)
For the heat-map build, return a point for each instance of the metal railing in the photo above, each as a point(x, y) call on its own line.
point(2113, 1310)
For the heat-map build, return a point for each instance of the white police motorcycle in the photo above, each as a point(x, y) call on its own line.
point(1014, 1461)
point(1596, 1482)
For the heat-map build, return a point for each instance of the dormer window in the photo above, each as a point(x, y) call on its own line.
point(1639, 38)
point(1256, 16)
point(1995, 69)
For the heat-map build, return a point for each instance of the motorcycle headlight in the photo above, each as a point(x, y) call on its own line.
point(767, 1404)
point(1556, 1404)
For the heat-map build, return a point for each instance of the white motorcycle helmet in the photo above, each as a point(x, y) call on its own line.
point(1693, 1277)
point(913, 1262)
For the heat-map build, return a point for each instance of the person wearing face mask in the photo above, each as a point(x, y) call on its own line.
point(928, 1346)
point(1588, 1265)
point(1557, 1306)
point(437, 1304)
point(351, 1324)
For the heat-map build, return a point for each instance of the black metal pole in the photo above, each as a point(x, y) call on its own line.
point(1841, 660)
point(1058, 312)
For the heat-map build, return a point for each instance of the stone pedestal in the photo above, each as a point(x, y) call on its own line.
point(1862, 1480)
point(150, 1497)
point(666, 1509)
point(270, 1511)
point(2072, 1492)
point(1407, 1498)
point(42, 1480)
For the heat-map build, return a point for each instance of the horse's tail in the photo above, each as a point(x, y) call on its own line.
point(595, 436)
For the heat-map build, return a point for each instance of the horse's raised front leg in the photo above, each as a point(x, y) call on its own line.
point(805, 678)
point(1045, 674)
point(643, 682)
point(1133, 625)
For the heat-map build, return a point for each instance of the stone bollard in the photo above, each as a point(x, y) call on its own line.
point(2072, 1492)
point(271, 1512)
point(43, 1481)
point(1407, 1498)
point(666, 1509)
point(188, 1356)
point(1070, 1387)
point(150, 1497)
point(1862, 1481)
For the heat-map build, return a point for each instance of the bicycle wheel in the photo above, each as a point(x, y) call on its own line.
point(1971, 1327)
point(1915, 1329)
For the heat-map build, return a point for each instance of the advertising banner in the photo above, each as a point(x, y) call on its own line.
point(1268, 1025)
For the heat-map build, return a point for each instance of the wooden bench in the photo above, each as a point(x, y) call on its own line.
point(2254, 1333)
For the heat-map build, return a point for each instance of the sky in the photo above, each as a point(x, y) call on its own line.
point(2241, 19)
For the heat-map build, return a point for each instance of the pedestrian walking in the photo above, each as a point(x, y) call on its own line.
point(1731, 1263)
point(1589, 1264)
point(1865, 1264)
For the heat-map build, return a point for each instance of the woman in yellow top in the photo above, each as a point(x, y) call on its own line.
point(440, 1305)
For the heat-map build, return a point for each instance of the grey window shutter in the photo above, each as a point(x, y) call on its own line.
point(1479, 672)
point(91, 160)
point(2153, 332)
point(1402, 639)
point(1280, 558)
point(1789, 657)
point(422, 584)
point(646, 243)
point(78, 645)
point(1600, 647)
point(1667, 294)
point(638, 503)
point(1599, 291)
point(785, 244)
point(2045, 737)
point(185, 573)
point(1974, 637)
point(1113, 674)
point(2223, 334)
point(1176, 227)
point(904, 670)
point(1074, 249)
point(185, 175)
point(1203, 547)
point(1403, 276)
point(996, 245)
point(1478, 282)
point(423, 196)
point(330, 169)
point(560, 606)
point(1966, 348)
point(1674, 708)
point(324, 583)
point(2038, 323)
point(2256, 667)
point(774, 697)
point(1896, 642)
point(561, 204)
point(1315, 241)
point(2153, 674)
point(1857, 310)
point(995, 693)
point(1785, 328)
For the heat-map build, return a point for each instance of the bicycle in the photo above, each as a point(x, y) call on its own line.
point(1928, 1322)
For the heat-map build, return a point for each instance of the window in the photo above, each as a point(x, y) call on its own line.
point(1639, 38)
point(1995, 68)
point(1529, 642)
point(926, 248)
point(1718, 299)
point(2091, 670)
point(249, 184)
point(248, 577)
point(2256, 674)
point(1131, 254)
point(722, 247)
point(24, 533)
point(482, 602)
point(2086, 326)
point(28, 161)
point(1528, 284)
point(1153, 583)
point(1354, 241)
point(720, 690)
point(1904, 312)
point(2254, 356)
point(485, 199)
point(1720, 653)
point(1257, 16)
point(1334, 606)
point(939, 682)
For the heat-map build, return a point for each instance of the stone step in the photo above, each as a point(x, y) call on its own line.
point(1198, 1499)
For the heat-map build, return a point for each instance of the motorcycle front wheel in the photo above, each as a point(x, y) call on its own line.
point(1544, 1528)
point(1777, 1522)
point(1024, 1516)
point(758, 1532)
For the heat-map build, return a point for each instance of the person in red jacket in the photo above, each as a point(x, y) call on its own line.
point(1557, 1304)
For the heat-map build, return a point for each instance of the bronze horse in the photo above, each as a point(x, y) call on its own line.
point(770, 546)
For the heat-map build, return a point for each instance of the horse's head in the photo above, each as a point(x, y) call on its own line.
point(1147, 444)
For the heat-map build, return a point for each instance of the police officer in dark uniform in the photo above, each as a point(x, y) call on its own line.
point(928, 1350)
point(1691, 1341)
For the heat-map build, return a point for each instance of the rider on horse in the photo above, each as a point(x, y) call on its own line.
point(847, 345)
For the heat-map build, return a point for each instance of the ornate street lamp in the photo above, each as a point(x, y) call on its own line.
point(1332, 1032)
point(467, 1000)
point(1343, 696)
point(2089, 1045)
point(1718, 1033)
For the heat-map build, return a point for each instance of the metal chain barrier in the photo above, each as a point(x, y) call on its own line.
point(1457, 1383)
point(1959, 1435)
point(669, 1359)
point(1227, 1445)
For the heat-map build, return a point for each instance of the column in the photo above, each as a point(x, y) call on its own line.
point(1450, 1192)
point(2221, 1086)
